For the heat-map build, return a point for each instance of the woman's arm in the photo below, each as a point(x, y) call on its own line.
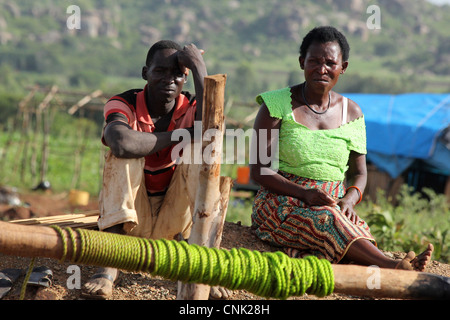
point(262, 173)
point(357, 176)
point(357, 173)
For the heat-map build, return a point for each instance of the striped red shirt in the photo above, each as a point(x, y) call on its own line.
point(159, 167)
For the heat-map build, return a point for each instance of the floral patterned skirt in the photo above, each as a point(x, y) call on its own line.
point(322, 231)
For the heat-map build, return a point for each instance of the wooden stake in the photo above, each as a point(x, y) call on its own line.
point(36, 241)
point(208, 192)
point(43, 108)
point(212, 191)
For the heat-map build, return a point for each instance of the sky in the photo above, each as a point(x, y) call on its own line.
point(439, 1)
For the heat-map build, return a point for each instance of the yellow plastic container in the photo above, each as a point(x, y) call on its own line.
point(78, 198)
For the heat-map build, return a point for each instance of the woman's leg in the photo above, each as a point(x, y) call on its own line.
point(364, 252)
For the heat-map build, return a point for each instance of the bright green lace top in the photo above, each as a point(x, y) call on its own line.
point(314, 154)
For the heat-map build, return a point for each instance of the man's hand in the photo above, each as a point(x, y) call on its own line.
point(190, 58)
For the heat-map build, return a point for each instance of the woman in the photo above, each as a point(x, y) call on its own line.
point(304, 207)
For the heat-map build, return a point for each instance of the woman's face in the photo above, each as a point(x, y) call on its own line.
point(323, 64)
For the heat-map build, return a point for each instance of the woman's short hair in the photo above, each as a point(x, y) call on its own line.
point(325, 34)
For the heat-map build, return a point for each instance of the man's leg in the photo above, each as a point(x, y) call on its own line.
point(175, 215)
point(122, 197)
point(101, 284)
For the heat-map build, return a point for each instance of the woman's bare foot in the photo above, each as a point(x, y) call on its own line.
point(295, 253)
point(101, 284)
point(416, 263)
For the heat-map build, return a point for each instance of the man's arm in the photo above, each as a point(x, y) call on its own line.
point(191, 57)
point(125, 142)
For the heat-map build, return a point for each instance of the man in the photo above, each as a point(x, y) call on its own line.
point(139, 171)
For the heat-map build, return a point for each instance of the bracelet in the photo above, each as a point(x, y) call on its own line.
point(359, 191)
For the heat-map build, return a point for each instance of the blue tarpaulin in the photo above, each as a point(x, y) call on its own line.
point(405, 127)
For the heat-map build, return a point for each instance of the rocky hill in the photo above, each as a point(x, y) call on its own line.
point(262, 35)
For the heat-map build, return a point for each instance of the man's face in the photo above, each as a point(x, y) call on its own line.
point(164, 76)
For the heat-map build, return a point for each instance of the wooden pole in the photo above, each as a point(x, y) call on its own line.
point(390, 283)
point(38, 241)
point(85, 100)
point(208, 192)
point(30, 241)
point(43, 107)
point(212, 191)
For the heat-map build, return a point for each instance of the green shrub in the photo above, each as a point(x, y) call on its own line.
point(417, 219)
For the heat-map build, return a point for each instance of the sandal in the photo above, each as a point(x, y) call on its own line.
point(41, 276)
point(7, 279)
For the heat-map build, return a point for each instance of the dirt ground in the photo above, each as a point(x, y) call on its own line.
point(131, 285)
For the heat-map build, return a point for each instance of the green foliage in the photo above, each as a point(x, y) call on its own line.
point(74, 158)
point(385, 228)
point(358, 83)
point(417, 219)
point(239, 210)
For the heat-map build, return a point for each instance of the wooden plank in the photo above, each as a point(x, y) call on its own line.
point(87, 220)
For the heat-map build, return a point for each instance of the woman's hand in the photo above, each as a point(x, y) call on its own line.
point(317, 197)
point(347, 208)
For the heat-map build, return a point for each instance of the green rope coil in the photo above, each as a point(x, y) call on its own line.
point(267, 274)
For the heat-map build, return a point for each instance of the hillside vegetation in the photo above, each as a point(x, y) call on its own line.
point(254, 42)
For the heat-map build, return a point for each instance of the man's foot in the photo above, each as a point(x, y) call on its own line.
point(416, 263)
point(101, 284)
point(218, 292)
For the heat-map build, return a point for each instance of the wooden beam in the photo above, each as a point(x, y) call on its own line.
point(375, 282)
point(85, 100)
point(48, 98)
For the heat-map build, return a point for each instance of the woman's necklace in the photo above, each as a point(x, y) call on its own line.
point(307, 104)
